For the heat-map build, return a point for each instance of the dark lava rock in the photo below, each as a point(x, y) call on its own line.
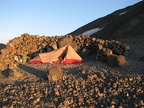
point(116, 61)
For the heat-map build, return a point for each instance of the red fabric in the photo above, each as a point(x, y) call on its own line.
point(68, 61)
point(36, 62)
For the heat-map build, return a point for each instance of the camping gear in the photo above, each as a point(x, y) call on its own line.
point(24, 58)
point(64, 55)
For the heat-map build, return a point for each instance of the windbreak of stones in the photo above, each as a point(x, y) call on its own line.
point(84, 45)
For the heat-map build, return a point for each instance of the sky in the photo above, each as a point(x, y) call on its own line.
point(52, 17)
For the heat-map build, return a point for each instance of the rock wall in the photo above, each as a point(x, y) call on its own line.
point(85, 45)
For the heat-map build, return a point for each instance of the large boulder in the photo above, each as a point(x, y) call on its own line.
point(67, 40)
point(55, 73)
point(116, 60)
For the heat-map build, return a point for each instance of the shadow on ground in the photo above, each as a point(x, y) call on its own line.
point(34, 71)
point(5, 72)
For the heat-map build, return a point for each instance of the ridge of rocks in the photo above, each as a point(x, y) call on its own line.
point(85, 45)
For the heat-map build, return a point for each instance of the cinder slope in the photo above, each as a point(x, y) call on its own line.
point(127, 22)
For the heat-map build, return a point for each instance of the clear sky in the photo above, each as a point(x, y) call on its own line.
point(52, 17)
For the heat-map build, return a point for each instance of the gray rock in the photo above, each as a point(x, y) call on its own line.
point(67, 40)
point(63, 41)
point(116, 61)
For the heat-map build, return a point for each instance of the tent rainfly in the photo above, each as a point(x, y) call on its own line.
point(64, 55)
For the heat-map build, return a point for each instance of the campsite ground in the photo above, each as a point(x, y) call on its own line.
point(34, 90)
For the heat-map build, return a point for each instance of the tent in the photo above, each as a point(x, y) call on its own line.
point(64, 55)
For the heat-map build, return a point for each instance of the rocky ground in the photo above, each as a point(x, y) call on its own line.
point(89, 84)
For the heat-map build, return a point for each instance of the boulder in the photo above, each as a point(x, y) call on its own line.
point(107, 51)
point(121, 60)
point(63, 41)
point(100, 47)
point(55, 73)
point(115, 60)
point(100, 41)
point(67, 40)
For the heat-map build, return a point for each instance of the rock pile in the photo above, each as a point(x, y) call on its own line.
point(21, 46)
point(30, 45)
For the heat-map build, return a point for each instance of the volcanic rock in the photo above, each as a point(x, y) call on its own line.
point(116, 61)
point(67, 40)
point(54, 73)
point(107, 51)
point(87, 47)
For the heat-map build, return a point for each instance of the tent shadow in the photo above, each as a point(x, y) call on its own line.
point(34, 71)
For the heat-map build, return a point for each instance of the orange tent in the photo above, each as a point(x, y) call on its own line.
point(64, 55)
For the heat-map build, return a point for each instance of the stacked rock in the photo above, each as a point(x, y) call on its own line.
point(31, 45)
point(22, 46)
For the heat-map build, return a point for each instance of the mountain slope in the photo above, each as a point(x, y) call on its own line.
point(126, 22)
